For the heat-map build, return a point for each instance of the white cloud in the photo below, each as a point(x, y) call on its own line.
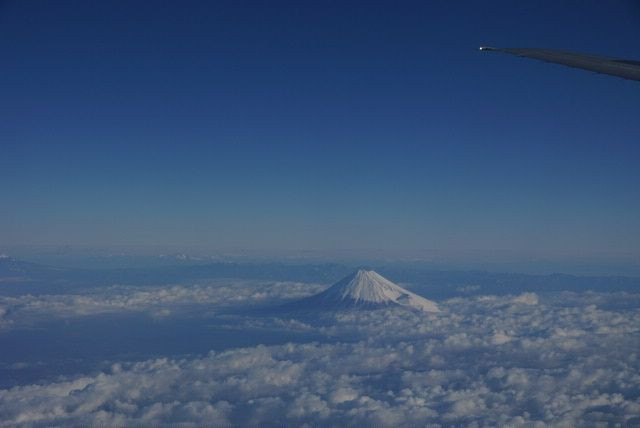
point(486, 360)
point(500, 338)
point(527, 298)
point(158, 301)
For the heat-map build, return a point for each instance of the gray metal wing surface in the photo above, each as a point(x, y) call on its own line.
point(627, 69)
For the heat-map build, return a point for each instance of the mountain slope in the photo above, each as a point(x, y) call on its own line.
point(365, 289)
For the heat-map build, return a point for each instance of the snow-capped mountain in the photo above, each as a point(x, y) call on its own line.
point(365, 289)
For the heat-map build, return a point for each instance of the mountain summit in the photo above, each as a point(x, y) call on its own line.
point(366, 289)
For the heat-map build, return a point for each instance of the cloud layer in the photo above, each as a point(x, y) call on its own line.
point(158, 301)
point(564, 359)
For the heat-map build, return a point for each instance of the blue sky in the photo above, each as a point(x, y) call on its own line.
point(333, 125)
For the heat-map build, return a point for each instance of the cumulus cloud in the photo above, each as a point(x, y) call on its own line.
point(158, 301)
point(489, 360)
point(527, 298)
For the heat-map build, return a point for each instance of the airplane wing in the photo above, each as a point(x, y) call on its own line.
point(627, 69)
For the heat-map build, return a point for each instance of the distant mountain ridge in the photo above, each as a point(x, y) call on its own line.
point(18, 277)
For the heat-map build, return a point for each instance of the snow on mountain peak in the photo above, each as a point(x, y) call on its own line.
point(366, 288)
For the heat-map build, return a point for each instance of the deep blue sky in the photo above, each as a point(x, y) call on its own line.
point(317, 125)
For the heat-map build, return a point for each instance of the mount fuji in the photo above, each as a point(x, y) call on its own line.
point(364, 289)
